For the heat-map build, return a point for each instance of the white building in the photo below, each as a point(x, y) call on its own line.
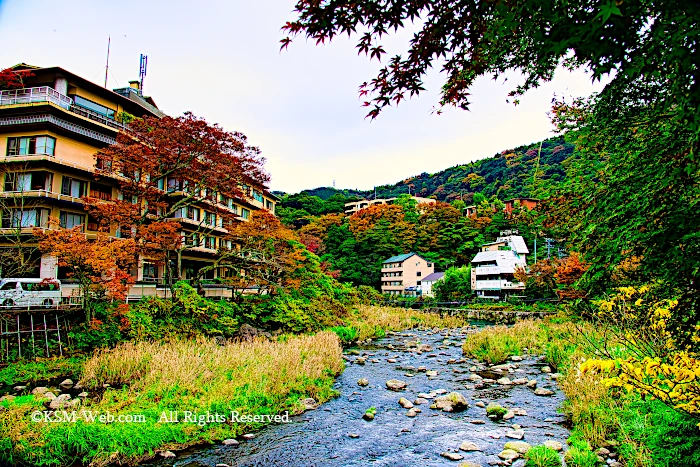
point(428, 281)
point(493, 268)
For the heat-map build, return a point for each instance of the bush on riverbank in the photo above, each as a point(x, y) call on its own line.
point(258, 378)
point(644, 432)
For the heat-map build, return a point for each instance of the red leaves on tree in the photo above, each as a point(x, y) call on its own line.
point(10, 79)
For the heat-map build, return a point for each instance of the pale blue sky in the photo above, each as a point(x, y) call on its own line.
point(220, 59)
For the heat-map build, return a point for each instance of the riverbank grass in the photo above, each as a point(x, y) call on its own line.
point(163, 380)
point(370, 322)
point(41, 369)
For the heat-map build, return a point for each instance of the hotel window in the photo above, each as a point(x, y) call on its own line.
point(418, 274)
point(210, 242)
point(22, 218)
point(177, 185)
point(150, 271)
point(100, 191)
point(68, 220)
point(257, 196)
point(73, 187)
point(209, 218)
point(92, 224)
point(245, 213)
point(28, 181)
point(94, 106)
point(269, 205)
point(26, 145)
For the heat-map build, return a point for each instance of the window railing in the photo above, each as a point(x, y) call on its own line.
point(47, 94)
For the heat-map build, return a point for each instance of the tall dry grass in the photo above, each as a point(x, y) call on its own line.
point(372, 321)
point(201, 366)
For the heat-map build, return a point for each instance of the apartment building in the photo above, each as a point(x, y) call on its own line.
point(353, 207)
point(493, 268)
point(402, 274)
point(50, 132)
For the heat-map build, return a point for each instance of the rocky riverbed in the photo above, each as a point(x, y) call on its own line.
point(402, 376)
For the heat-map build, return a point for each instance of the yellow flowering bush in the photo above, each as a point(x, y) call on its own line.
point(643, 353)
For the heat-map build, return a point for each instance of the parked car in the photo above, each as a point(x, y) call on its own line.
point(30, 292)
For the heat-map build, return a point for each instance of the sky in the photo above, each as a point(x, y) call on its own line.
point(220, 59)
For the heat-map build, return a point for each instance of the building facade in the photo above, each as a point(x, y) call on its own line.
point(509, 206)
point(428, 282)
point(353, 207)
point(493, 268)
point(50, 131)
point(403, 274)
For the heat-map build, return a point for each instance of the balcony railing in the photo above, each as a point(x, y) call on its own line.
point(47, 94)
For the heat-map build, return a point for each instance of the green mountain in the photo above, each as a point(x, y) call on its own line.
point(525, 171)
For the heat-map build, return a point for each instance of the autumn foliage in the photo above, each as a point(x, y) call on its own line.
point(101, 265)
point(10, 79)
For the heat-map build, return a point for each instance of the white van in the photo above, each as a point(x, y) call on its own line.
point(29, 292)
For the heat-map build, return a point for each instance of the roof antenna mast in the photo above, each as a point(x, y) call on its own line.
point(109, 41)
point(142, 71)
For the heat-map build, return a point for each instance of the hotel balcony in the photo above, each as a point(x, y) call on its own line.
point(29, 97)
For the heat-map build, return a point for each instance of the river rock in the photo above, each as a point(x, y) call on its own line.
point(230, 442)
point(519, 412)
point(420, 401)
point(309, 403)
point(453, 456)
point(546, 369)
point(66, 383)
point(543, 392)
point(247, 333)
point(362, 382)
point(469, 464)
point(519, 446)
point(474, 377)
point(40, 390)
point(520, 381)
point(515, 434)
point(369, 416)
point(248, 436)
point(391, 360)
point(59, 402)
point(440, 391)
point(480, 404)
point(353, 352)
point(412, 413)
point(556, 376)
point(508, 455)
point(504, 381)
point(516, 358)
point(425, 348)
point(167, 454)
point(405, 403)
point(469, 446)
point(19, 388)
point(222, 465)
point(48, 395)
point(431, 373)
point(353, 435)
point(452, 402)
point(477, 422)
point(532, 384)
point(508, 415)
point(556, 445)
point(396, 384)
point(361, 360)
point(603, 452)
point(8, 397)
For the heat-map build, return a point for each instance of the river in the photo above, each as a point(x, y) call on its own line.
point(335, 434)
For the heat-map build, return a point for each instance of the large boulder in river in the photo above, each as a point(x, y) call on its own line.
point(452, 402)
point(396, 384)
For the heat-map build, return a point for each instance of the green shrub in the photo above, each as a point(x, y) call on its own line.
point(495, 410)
point(345, 333)
point(580, 453)
point(542, 456)
point(668, 435)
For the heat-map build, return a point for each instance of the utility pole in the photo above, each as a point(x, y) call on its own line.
point(549, 242)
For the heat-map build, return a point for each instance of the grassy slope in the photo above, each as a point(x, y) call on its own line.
point(198, 376)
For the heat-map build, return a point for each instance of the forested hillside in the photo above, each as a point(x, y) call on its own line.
point(511, 173)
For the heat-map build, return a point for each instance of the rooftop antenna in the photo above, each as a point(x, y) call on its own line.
point(142, 71)
point(109, 41)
